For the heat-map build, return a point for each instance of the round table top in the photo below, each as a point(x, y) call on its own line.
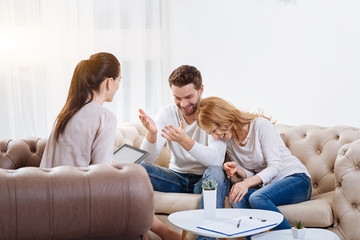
point(191, 220)
point(310, 234)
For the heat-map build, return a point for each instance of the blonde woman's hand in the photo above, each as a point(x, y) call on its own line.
point(173, 133)
point(238, 191)
point(179, 135)
point(230, 168)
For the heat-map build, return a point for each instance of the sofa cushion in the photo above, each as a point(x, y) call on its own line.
point(316, 212)
point(168, 203)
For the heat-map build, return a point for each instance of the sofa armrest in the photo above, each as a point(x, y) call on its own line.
point(346, 204)
point(78, 203)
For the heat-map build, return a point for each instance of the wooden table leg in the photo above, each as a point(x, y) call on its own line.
point(183, 235)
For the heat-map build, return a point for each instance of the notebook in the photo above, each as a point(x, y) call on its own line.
point(129, 154)
point(234, 226)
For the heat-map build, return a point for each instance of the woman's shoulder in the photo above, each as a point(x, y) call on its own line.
point(261, 122)
point(93, 110)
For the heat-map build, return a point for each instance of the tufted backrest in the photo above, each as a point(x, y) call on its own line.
point(347, 192)
point(317, 148)
point(15, 154)
point(131, 133)
point(28, 152)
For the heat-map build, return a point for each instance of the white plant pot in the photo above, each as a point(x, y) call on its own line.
point(209, 198)
point(298, 233)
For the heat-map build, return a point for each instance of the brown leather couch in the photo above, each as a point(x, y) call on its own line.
point(96, 202)
point(332, 156)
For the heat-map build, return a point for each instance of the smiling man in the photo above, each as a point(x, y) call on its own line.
point(195, 154)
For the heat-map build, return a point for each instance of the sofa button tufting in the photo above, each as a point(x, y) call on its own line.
point(353, 205)
point(315, 185)
point(318, 152)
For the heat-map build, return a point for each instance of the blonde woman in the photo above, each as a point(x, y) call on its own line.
point(274, 176)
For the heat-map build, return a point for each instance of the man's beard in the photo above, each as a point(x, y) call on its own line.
point(194, 108)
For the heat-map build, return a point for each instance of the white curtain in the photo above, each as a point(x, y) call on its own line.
point(42, 41)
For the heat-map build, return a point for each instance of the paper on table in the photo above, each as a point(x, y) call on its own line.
point(229, 227)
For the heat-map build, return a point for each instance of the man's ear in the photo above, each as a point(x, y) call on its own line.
point(201, 90)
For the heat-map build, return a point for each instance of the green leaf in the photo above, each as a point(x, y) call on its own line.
point(209, 184)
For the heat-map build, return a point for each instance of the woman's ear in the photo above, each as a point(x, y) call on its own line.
point(109, 83)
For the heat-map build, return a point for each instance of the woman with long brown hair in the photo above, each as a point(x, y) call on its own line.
point(259, 155)
point(84, 131)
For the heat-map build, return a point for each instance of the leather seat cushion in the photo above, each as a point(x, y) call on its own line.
point(316, 212)
point(168, 203)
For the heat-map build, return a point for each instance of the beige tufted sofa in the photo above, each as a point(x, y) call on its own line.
point(332, 156)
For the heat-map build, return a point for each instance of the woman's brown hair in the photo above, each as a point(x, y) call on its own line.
point(87, 78)
point(214, 112)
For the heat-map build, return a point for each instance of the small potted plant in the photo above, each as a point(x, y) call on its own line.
point(209, 184)
point(298, 231)
point(209, 197)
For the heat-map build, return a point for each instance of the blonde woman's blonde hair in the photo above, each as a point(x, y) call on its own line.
point(217, 113)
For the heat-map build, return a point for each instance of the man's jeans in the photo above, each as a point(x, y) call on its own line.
point(167, 180)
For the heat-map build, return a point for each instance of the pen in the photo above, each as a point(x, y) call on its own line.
point(238, 225)
point(259, 219)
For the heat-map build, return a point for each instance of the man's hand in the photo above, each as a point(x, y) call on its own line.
point(230, 168)
point(150, 125)
point(147, 121)
point(238, 192)
point(172, 133)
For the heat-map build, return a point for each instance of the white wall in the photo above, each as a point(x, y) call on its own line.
point(298, 60)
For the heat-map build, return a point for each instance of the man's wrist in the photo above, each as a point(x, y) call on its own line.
point(151, 137)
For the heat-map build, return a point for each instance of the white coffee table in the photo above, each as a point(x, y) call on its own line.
point(191, 219)
point(311, 234)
